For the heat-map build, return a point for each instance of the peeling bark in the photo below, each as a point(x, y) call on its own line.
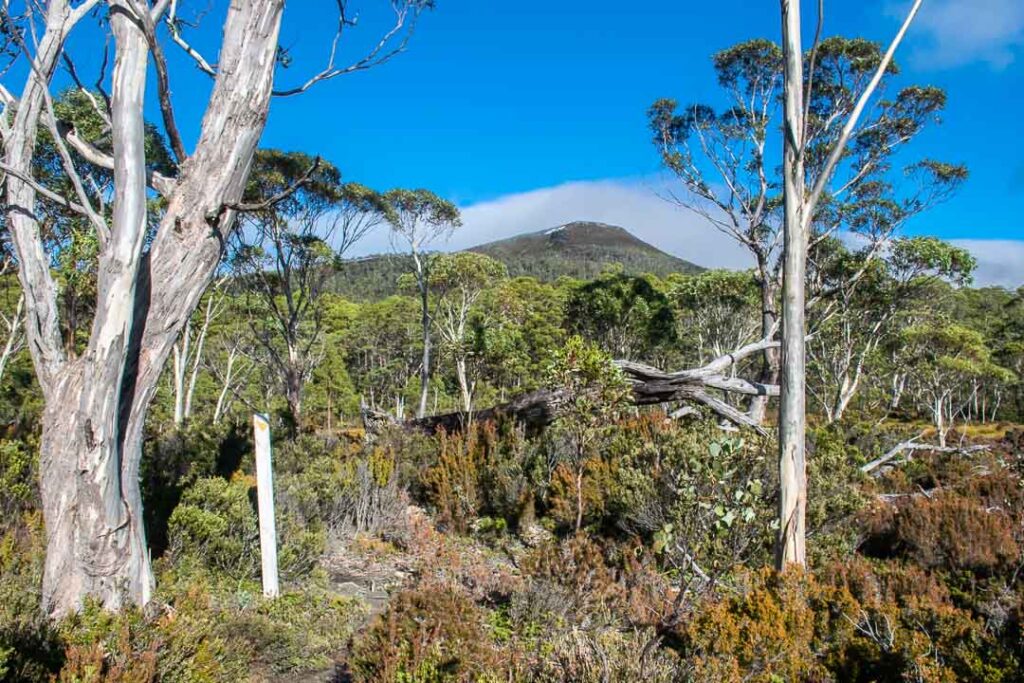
point(91, 443)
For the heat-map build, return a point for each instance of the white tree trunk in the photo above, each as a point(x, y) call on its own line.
point(792, 403)
point(218, 410)
point(95, 406)
point(15, 336)
point(464, 388)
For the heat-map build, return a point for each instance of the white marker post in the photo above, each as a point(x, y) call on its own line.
point(265, 498)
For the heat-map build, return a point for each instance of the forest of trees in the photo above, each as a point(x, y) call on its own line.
point(811, 470)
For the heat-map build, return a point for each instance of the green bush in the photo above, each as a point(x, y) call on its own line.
point(216, 526)
point(18, 479)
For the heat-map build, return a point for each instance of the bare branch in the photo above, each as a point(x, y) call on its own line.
point(280, 196)
point(43, 190)
point(172, 26)
point(851, 122)
point(382, 52)
point(96, 157)
point(163, 82)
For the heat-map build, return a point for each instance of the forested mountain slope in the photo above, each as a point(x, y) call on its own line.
point(581, 250)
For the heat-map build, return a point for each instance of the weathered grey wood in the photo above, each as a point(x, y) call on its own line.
point(912, 445)
point(651, 386)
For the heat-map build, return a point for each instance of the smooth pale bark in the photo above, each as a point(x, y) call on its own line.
point(423, 284)
point(799, 208)
point(187, 363)
point(792, 401)
point(90, 448)
point(219, 409)
point(465, 390)
point(15, 335)
point(770, 363)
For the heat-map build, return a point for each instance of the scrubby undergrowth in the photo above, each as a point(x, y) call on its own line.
point(456, 558)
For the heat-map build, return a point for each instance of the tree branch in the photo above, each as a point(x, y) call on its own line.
point(851, 122)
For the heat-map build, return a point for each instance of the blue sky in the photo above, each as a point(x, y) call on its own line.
point(496, 98)
point(495, 103)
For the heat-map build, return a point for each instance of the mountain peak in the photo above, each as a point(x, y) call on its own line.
point(581, 249)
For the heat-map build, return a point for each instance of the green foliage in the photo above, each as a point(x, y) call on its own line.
point(627, 316)
point(18, 474)
point(215, 525)
point(703, 502)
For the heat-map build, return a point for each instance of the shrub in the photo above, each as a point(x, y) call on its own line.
point(433, 633)
point(18, 487)
point(452, 484)
point(341, 489)
point(835, 493)
point(216, 526)
point(30, 649)
point(696, 496)
point(948, 531)
point(175, 460)
point(575, 571)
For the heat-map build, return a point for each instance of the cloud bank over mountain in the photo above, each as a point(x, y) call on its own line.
point(638, 207)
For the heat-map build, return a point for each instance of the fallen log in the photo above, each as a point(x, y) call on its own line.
point(651, 386)
point(913, 445)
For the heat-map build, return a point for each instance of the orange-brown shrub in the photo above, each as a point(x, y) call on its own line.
point(767, 631)
point(451, 485)
point(857, 622)
point(947, 531)
point(432, 633)
point(562, 501)
point(577, 564)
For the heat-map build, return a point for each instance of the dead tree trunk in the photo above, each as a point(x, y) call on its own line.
point(538, 409)
point(793, 402)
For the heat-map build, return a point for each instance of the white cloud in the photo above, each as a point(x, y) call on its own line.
point(1000, 262)
point(637, 207)
point(959, 32)
point(629, 204)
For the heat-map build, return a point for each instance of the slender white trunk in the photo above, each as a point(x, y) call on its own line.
point(792, 402)
point(14, 336)
point(758, 407)
point(218, 411)
point(425, 327)
point(180, 358)
point(464, 389)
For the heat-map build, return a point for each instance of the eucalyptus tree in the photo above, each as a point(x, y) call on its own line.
point(286, 254)
point(945, 361)
point(728, 169)
point(418, 220)
point(716, 312)
point(518, 324)
point(863, 313)
point(188, 353)
point(384, 352)
point(627, 316)
point(152, 266)
point(816, 150)
point(457, 281)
